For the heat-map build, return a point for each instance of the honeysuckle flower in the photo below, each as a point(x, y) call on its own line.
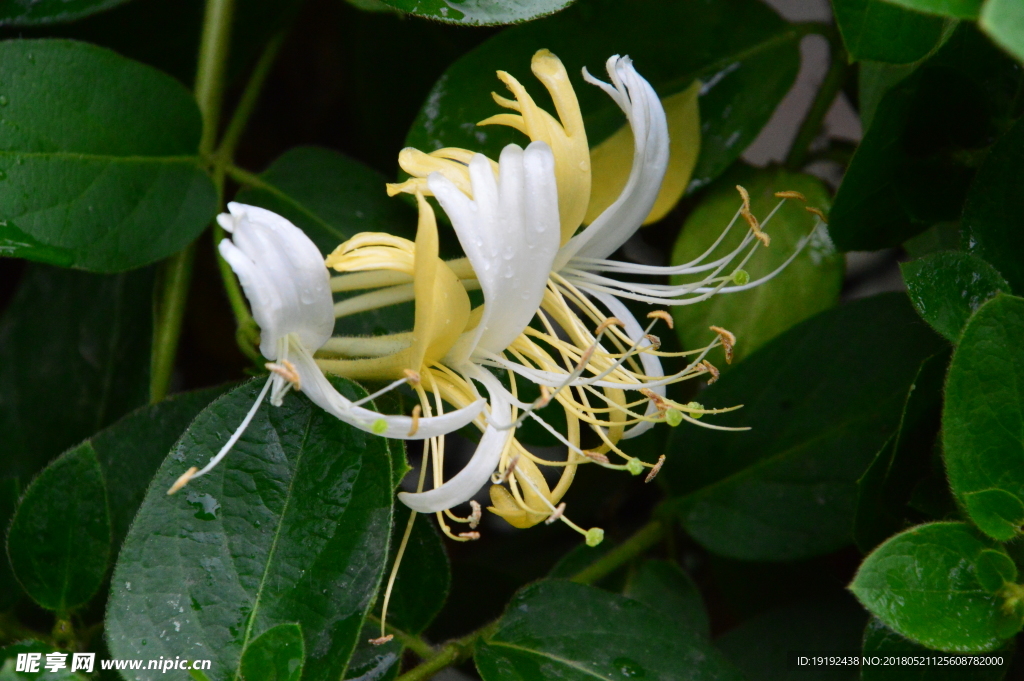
point(518, 222)
point(288, 287)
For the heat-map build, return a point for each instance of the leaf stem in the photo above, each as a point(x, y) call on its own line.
point(213, 57)
point(175, 276)
point(827, 92)
point(450, 654)
point(644, 538)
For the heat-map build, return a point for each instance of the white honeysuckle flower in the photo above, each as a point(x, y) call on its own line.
point(288, 287)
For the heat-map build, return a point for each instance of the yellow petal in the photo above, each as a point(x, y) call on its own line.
point(613, 158)
point(504, 505)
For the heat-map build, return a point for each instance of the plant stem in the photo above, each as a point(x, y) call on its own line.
point(410, 641)
point(827, 92)
point(451, 653)
point(175, 276)
point(213, 56)
point(644, 538)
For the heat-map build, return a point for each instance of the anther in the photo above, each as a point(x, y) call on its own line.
point(415, 420)
point(182, 480)
point(287, 371)
point(594, 456)
point(412, 376)
point(382, 640)
point(658, 400)
point(508, 471)
point(469, 536)
point(811, 209)
point(749, 217)
point(664, 316)
point(603, 326)
point(545, 397)
point(728, 340)
point(791, 195)
point(655, 341)
point(585, 357)
point(556, 514)
point(657, 468)
point(711, 369)
point(476, 515)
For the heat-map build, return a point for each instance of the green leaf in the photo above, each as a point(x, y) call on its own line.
point(927, 138)
point(923, 584)
point(886, 488)
point(59, 541)
point(761, 646)
point(994, 206)
point(36, 12)
point(94, 140)
point(880, 640)
point(984, 417)
point(946, 288)
point(554, 631)
point(424, 577)
point(9, 662)
point(374, 662)
point(808, 285)
point(275, 655)
point(292, 526)
point(820, 400)
point(744, 53)
point(76, 368)
point(1003, 21)
point(665, 587)
point(479, 12)
point(880, 31)
point(960, 9)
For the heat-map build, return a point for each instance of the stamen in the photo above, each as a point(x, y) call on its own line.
point(656, 469)
point(594, 456)
point(817, 212)
point(655, 341)
point(791, 195)
point(664, 316)
point(382, 640)
point(749, 217)
point(504, 475)
point(728, 340)
point(559, 510)
point(182, 480)
point(476, 515)
point(415, 420)
point(287, 371)
point(413, 377)
point(469, 536)
point(610, 321)
point(713, 370)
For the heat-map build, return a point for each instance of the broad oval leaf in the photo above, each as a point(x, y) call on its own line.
point(665, 587)
point(555, 631)
point(275, 655)
point(983, 418)
point(924, 584)
point(992, 213)
point(820, 400)
point(808, 285)
point(98, 162)
point(291, 527)
point(1003, 21)
point(59, 541)
point(879, 31)
point(961, 9)
point(745, 55)
point(881, 641)
point(37, 12)
point(479, 12)
point(946, 288)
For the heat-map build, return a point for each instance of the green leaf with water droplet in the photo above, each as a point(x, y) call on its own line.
point(924, 584)
point(561, 631)
point(946, 288)
point(983, 418)
point(301, 517)
point(275, 655)
point(100, 169)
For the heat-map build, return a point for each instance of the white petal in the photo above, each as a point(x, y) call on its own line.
point(646, 117)
point(283, 275)
point(316, 386)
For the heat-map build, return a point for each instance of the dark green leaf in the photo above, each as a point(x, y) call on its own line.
point(880, 31)
point(946, 288)
point(292, 526)
point(885, 489)
point(880, 640)
point(743, 52)
point(992, 214)
point(923, 584)
point(59, 541)
point(809, 284)
point(554, 631)
point(1003, 21)
point(275, 655)
point(9, 662)
point(374, 662)
point(33, 12)
point(75, 351)
point(874, 79)
point(424, 576)
point(578, 558)
point(761, 646)
point(984, 417)
point(927, 138)
point(961, 9)
point(94, 140)
point(665, 587)
point(479, 12)
point(10, 590)
point(820, 399)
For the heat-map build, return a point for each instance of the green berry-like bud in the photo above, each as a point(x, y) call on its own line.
point(379, 427)
point(595, 535)
point(695, 405)
point(635, 466)
point(741, 277)
point(673, 417)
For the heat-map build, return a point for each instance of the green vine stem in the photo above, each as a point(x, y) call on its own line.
point(452, 653)
point(827, 93)
point(410, 641)
point(213, 57)
point(643, 539)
